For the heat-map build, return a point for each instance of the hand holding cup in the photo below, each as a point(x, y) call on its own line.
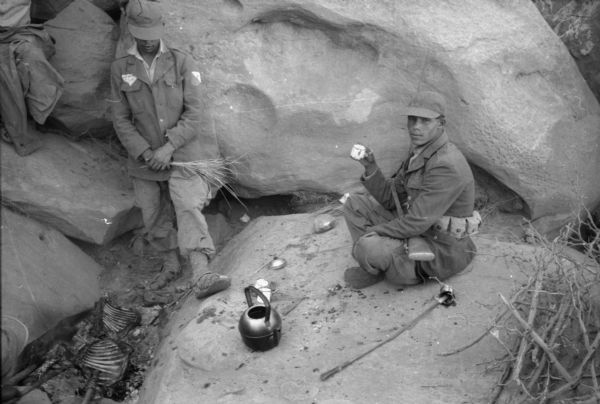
point(364, 155)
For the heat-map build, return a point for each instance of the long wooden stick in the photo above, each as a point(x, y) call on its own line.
point(337, 369)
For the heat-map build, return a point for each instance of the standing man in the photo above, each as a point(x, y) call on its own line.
point(156, 111)
point(429, 201)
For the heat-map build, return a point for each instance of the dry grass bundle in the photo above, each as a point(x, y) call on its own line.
point(216, 172)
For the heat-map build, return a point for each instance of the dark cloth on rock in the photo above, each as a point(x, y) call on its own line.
point(28, 82)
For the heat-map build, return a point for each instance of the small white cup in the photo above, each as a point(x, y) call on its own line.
point(263, 286)
point(358, 152)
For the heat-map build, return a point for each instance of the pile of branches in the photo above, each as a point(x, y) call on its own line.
point(552, 328)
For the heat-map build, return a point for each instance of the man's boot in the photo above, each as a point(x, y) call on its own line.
point(206, 283)
point(358, 278)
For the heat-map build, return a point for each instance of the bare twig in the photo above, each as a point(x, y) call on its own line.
point(546, 385)
point(595, 379)
point(487, 332)
point(556, 324)
point(524, 345)
point(508, 351)
point(501, 383)
point(579, 371)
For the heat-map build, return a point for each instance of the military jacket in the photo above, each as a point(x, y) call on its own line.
point(170, 108)
point(437, 182)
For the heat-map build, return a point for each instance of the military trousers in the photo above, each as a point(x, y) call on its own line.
point(374, 253)
point(172, 213)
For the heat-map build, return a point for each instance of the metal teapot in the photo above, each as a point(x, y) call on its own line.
point(259, 325)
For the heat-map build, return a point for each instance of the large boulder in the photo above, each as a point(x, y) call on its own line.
point(45, 277)
point(81, 189)
point(86, 38)
point(578, 25)
point(292, 86)
point(47, 9)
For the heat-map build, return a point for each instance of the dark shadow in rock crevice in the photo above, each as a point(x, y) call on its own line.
point(491, 194)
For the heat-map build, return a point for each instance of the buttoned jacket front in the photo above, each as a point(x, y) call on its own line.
point(170, 108)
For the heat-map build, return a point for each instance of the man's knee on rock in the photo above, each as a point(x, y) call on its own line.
point(369, 241)
point(353, 204)
point(354, 200)
point(369, 253)
point(348, 205)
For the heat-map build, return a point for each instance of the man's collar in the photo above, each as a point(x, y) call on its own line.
point(435, 144)
point(133, 50)
point(425, 152)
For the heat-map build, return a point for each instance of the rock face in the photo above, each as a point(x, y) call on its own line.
point(85, 43)
point(78, 188)
point(292, 86)
point(47, 9)
point(45, 277)
point(577, 23)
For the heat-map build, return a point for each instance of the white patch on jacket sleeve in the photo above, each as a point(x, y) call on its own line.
point(196, 78)
point(129, 79)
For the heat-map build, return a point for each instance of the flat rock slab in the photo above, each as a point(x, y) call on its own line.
point(45, 277)
point(84, 32)
point(326, 324)
point(79, 188)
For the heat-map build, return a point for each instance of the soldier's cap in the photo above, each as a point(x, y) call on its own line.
point(426, 104)
point(145, 20)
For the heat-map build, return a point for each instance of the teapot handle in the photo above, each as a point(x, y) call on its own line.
point(248, 290)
